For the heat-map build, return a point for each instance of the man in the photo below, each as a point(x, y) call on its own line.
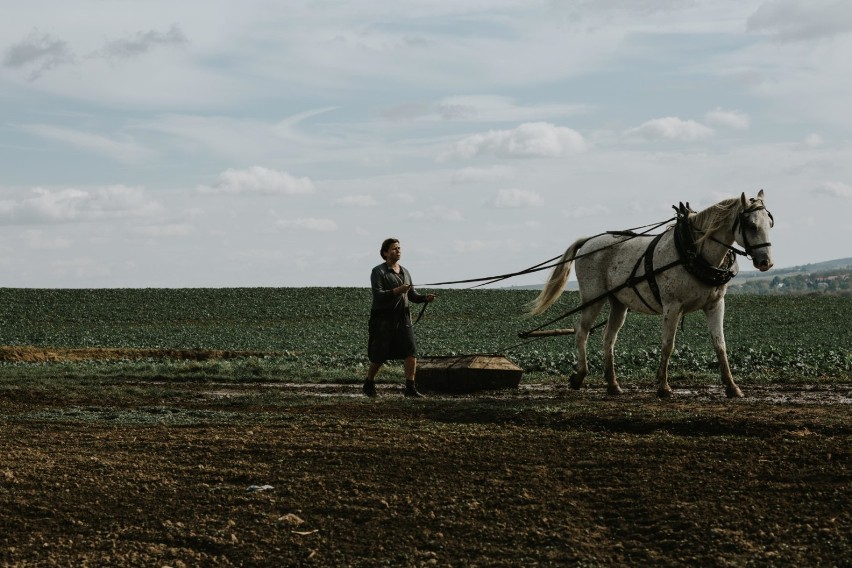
point(391, 333)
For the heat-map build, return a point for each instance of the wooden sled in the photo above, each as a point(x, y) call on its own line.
point(467, 373)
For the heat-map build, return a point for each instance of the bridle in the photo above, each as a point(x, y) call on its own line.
point(740, 222)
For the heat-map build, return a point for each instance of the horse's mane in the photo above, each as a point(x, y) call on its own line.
point(710, 220)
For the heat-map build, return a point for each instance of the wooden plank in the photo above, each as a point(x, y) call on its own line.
point(546, 333)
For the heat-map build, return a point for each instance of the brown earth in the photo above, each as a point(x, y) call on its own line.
point(30, 354)
point(192, 474)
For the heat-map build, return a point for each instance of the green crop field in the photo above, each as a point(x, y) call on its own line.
point(319, 334)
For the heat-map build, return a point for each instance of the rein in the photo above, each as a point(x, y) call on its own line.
point(629, 233)
point(691, 260)
point(689, 257)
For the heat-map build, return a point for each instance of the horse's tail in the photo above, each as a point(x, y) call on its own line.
point(556, 281)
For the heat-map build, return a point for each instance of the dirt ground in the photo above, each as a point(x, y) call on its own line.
point(195, 473)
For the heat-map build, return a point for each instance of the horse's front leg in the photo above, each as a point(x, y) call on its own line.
point(671, 317)
point(715, 314)
point(617, 315)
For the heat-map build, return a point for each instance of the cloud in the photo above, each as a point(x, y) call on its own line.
point(356, 201)
point(792, 20)
point(586, 211)
point(473, 245)
point(482, 108)
point(729, 118)
point(80, 267)
point(166, 230)
point(833, 189)
point(516, 198)
point(37, 239)
point(529, 140)
point(437, 213)
point(813, 140)
point(672, 128)
point(38, 52)
point(257, 179)
point(308, 224)
point(478, 246)
point(143, 42)
point(71, 205)
point(477, 175)
point(124, 151)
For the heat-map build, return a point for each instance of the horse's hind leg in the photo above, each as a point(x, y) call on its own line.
point(581, 334)
point(617, 315)
point(715, 314)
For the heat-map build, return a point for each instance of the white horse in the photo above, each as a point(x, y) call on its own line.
point(684, 269)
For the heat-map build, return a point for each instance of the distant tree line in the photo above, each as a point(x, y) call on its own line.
point(833, 282)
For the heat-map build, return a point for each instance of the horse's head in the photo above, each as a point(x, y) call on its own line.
point(751, 230)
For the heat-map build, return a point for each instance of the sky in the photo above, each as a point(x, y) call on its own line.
point(277, 143)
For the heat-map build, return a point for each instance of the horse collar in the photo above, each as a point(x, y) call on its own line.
point(693, 262)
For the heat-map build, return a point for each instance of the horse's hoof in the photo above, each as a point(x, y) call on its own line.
point(664, 392)
point(575, 381)
point(733, 392)
point(614, 390)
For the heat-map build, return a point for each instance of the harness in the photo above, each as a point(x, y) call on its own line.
point(688, 256)
point(647, 260)
point(693, 262)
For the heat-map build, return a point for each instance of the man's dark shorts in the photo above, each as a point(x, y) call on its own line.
point(391, 336)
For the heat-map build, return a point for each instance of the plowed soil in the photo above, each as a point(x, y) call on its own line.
point(202, 474)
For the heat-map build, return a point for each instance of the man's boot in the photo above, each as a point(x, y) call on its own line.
point(369, 388)
point(411, 390)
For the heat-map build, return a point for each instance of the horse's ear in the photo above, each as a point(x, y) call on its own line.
point(743, 199)
point(760, 194)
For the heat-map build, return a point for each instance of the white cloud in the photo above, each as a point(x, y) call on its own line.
point(834, 189)
point(729, 118)
point(125, 151)
point(473, 245)
point(516, 198)
point(38, 239)
point(356, 201)
point(80, 267)
point(672, 128)
point(529, 140)
point(813, 140)
point(477, 175)
point(584, 211)
point(167, 230)
point(482, 108)
point(70, 204)
point(258, 179)
point(308, 224)
point(437, 213)
point(793, 20)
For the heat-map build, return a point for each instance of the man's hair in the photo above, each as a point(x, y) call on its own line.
point(386, 245)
